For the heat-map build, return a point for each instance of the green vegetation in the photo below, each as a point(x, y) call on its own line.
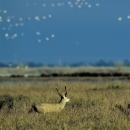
point(91, 106)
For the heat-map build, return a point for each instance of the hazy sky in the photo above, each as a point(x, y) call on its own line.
point(67, 30)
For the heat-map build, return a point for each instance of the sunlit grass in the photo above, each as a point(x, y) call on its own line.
point(92, 106)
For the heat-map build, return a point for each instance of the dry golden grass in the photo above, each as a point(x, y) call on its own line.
point(91, 106)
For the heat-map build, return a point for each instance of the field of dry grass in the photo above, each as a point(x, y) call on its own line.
point(91, 106)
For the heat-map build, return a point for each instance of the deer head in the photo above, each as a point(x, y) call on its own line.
point(63, 96)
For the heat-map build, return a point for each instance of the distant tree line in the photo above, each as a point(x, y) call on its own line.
point(99, 63)
point(104, 63)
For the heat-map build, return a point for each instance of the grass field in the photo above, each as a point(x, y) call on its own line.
point(91, 106)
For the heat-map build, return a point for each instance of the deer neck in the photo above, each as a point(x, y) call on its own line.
point(62, 103)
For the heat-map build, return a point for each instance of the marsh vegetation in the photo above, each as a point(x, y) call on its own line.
point(91, 107)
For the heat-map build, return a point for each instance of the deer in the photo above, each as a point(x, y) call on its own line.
point(45, 107)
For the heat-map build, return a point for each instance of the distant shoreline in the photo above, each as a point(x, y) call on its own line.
point(67, 72)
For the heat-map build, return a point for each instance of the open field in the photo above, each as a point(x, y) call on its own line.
point(123, 72)
point(92, 104)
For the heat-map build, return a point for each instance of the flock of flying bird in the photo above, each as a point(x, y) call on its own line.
point(20, 22)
